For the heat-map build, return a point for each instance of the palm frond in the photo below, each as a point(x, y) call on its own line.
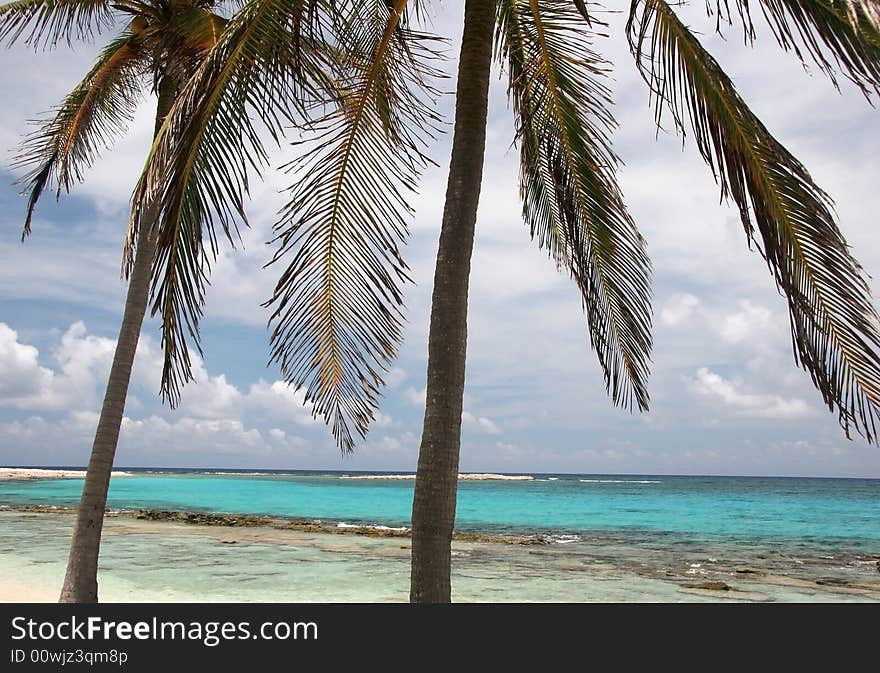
point(571, 200)
point(862, 12)
point(90, 118)
point(839, 36)
point(196, 176)
point(836, 34)
point(581, 8)
point(186, 38)
point(337, 305)
point(835, 328)
point(47, 22)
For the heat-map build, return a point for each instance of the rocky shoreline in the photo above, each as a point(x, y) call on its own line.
point(301, 525)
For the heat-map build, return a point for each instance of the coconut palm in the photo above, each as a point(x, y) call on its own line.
point(365, 70)
point(161, 42)
point(574, 208)
point(277, 63)
point(355, 82)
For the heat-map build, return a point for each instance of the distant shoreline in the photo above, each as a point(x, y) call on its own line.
point(72, 472)
point(33, 474)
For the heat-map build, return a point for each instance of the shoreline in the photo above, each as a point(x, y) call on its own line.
point(224, 520)
point(263, 560)
point(37, 474)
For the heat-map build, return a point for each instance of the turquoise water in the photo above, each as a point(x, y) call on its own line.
point(589, 538)
point(805, 510)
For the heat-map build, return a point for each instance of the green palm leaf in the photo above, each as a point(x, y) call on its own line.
point(51, 21)
point(196, 176)
point(337, 317)
point(90, 118)
point(835, 329)
point(837, 35)
point(571, 200)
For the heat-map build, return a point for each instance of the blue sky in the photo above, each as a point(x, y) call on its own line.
point(726, 395)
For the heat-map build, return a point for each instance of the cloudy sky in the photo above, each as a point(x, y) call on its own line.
point(726, 395)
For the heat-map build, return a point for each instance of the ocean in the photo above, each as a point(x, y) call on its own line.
point(583, 537)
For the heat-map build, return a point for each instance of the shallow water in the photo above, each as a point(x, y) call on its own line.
point(160, 561)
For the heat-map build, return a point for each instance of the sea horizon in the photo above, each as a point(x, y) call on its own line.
point(392, 471)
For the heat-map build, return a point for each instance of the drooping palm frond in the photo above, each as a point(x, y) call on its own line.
point(571, 200)
point(839, 36)
point(581, 8)
point(835, 328)
point(90, 118)
point(863, 12)
point(337, 317)
point(196, 175)
point(47, 22)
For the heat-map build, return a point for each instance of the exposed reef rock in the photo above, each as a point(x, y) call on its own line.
point(710, 585)
point(315, 526)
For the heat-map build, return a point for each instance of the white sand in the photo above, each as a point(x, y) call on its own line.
point(29, 474)
point(18, 591)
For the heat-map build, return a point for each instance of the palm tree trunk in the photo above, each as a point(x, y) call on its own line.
point(433, 516)
point(81, 578)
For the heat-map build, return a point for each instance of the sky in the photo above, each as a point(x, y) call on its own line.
point(726, 396)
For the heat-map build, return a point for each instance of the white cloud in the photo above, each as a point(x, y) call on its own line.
point(750, 322)
point(679, 309)
point(191, 435)
point(395, 377)
point(153, 440)
point(23, 382)
point(416, 398)
point(205, 396)
point(82, 360)
point(381, 420)
point(281, 402)
point(211, 397)
point(481, 423)
point(714, 386)
point(83, 365)
point(81, 354)
point(400, 450)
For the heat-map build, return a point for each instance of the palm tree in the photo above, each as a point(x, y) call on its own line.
point(354, 81)
point(163, 41)
point(437, 474)
point(353, 78)
point(273, 64)
point(574, 208)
